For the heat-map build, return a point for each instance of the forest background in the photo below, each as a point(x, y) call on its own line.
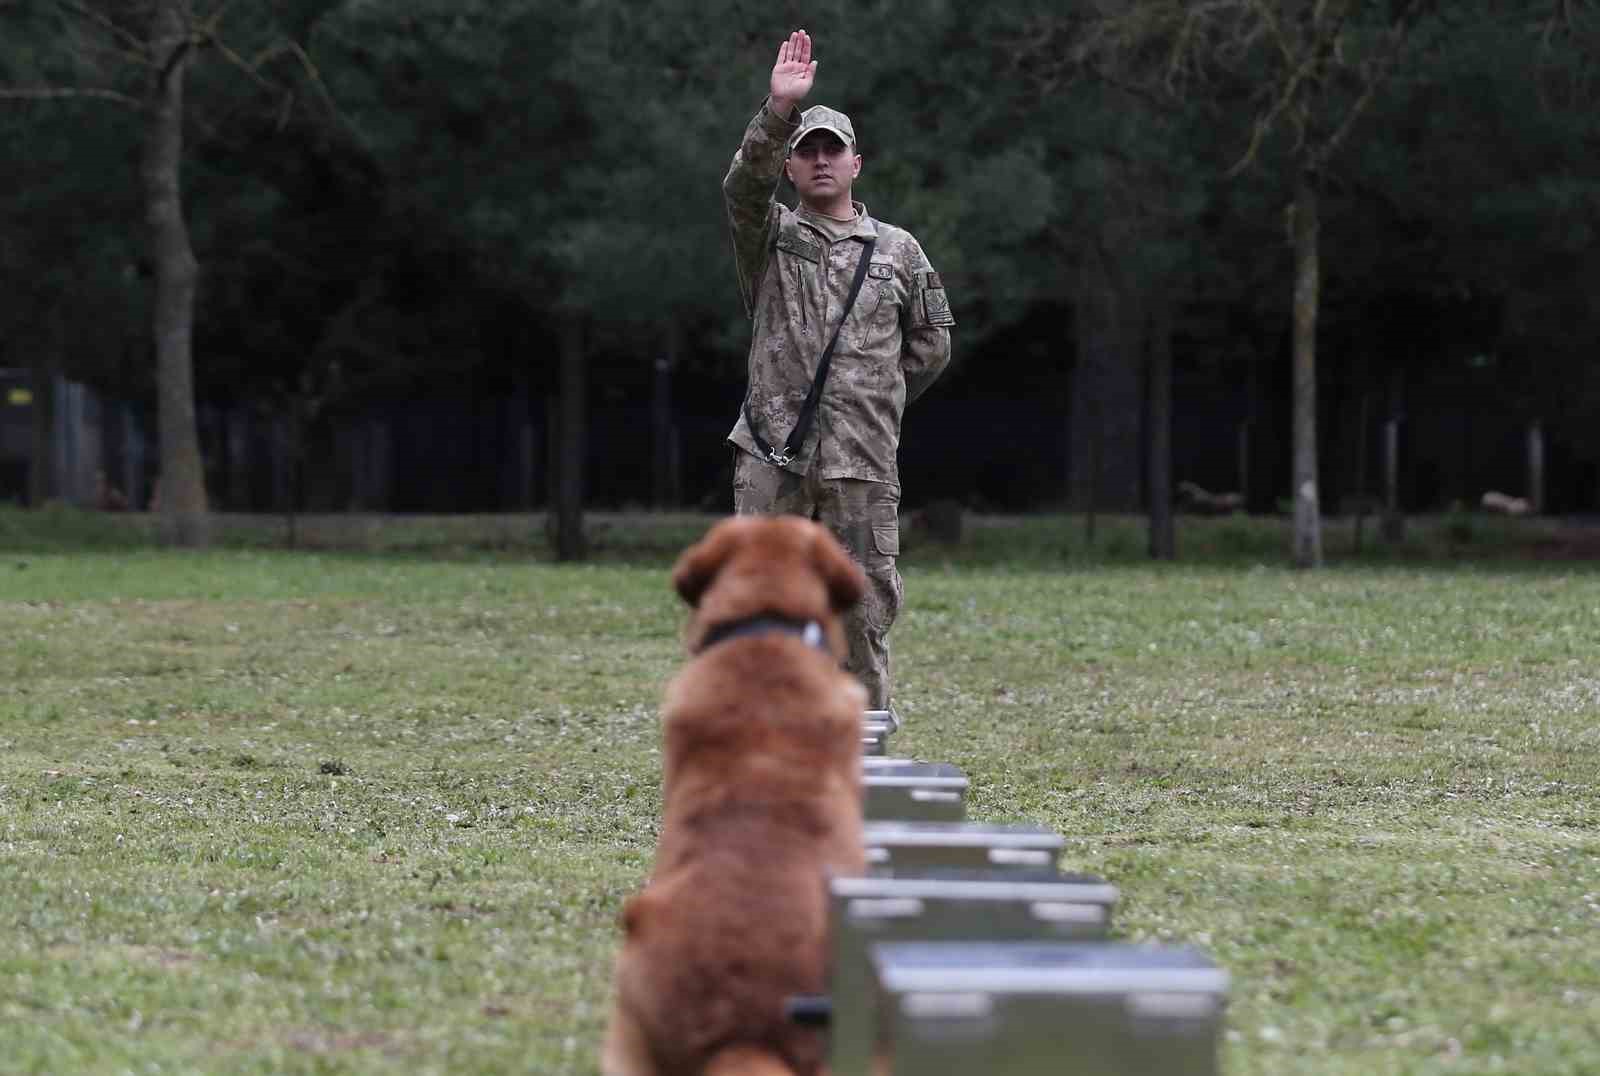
point(463, 255)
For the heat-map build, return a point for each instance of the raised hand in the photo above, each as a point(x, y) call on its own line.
point(793, 73)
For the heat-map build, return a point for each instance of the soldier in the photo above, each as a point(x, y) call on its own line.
point(819, 433)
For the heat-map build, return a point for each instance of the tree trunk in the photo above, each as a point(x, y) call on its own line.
point(1245, 439)
point(1122, 393)
point(1106, 398)
point(1158, 458)
point(296, 457)
point(134, 451)
point(1394, 524)
point(1307, 513)
point(282, 465)
point(524, 430)
point(1241, 452)
point(552, 451)
point(1097, 441)
point(238, 424)
point(663, 492)
point(1361, 483)
point(573, 441)
point(1083, 476)
point(527, 453)
point(41, 464)
point(182, 488)
point(1536, 467)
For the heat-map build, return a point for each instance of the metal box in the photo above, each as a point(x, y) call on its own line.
point(885, 764)
point(942, 848)
point(915, 792)
point(1046, 1008)
point(875, 737)
point(886, 717)
point(867, 911)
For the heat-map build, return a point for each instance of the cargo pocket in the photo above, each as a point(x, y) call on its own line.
point(886, 529)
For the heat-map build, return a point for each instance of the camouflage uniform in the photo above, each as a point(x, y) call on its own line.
point(795, 270)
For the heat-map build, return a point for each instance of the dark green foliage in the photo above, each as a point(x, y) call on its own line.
point(418, 191)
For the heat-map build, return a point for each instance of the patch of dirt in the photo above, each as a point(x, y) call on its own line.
point(334, 1042)
point(166, 958)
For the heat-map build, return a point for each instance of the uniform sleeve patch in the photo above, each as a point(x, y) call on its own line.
point(933, 280)
point(936, 307)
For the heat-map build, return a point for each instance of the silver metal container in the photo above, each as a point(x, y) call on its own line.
point(904, 849)
point(886, 764)
point(875, 737)
point(916, 792)
point(886, 717)
point(1046, 1008)
point(867, 911)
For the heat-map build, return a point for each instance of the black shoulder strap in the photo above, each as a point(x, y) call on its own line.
point(808, 410)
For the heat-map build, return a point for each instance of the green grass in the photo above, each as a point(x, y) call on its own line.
point(338, 811)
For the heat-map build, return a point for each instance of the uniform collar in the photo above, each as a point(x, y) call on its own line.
point(866, 227)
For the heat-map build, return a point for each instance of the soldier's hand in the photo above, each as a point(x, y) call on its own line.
point(793, 73)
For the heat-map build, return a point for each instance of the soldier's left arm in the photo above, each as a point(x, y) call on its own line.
point(926, 330)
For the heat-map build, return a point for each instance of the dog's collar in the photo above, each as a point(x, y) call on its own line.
point(809, 631)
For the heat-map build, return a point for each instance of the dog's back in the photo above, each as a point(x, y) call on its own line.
point(762, 799)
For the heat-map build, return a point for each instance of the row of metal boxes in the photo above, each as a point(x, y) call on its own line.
point(966, 950)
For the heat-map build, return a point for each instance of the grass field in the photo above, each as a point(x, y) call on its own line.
point(355, 810)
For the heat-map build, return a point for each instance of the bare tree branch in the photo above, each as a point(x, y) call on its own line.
point(1269, 19)
point(315, 75)
point(1398, 34)
point(1287, 98)
point(214, 20)
point(63, 93)
point(289, 47)
point(251, 70)
point(1140, 93)
point(135, 44)
point(179, 51)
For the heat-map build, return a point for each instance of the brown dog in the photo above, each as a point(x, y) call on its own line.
point(761, 790)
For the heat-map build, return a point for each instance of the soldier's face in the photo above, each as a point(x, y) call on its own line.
point(822, 167)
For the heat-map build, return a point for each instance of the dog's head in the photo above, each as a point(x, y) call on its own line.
point(781, 566)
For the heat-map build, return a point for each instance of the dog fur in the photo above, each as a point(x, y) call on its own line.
point(761, 791)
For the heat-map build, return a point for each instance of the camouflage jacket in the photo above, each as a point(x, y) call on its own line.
point(794, 281)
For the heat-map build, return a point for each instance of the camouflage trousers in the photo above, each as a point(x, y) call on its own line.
point(865, 517)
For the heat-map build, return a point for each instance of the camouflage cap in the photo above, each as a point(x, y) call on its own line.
point(823, 118)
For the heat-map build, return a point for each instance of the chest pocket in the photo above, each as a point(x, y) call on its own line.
point(798, 261)
point(878, 307)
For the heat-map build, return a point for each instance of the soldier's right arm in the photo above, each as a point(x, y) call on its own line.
point(749, 191)
point(752, 181)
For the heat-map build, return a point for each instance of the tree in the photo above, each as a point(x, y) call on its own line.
point(1492, 250)
point(138, 54)
point(182, 490)
point(72, 296)
point(1129, 180)
point(1297, 76)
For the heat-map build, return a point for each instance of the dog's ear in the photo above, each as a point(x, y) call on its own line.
point(701, 562)
point(845, 580)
